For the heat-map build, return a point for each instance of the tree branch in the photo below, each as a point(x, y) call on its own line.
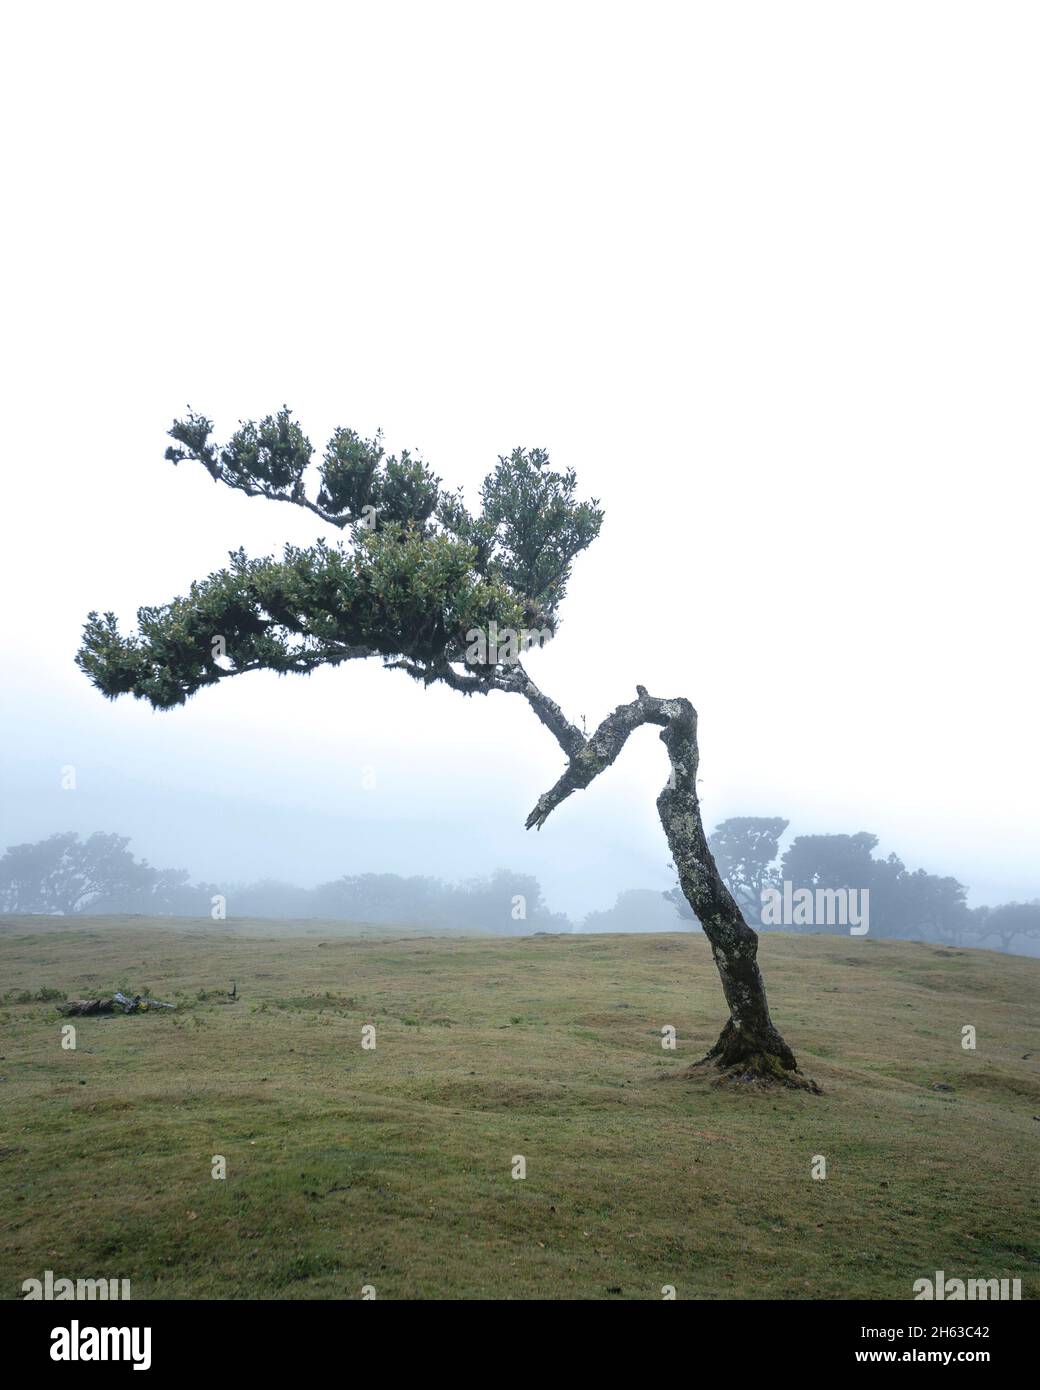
point(297, 497)
point(516, 680)
point(299, 663)
point(512, 679)
point(428, 674)
point(595, 754)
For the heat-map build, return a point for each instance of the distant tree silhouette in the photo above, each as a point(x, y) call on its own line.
point(902, 904)
point(504, 902)
point(64, 874)
point(642, 909)
point(745, 849)
point(1010, 921)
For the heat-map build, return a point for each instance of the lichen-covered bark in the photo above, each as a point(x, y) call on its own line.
point(750, 1042)
point(749, 1047)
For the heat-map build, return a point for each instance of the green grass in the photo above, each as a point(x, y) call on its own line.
point(392, 1167)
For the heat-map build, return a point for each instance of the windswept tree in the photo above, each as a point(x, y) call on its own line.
point(447, 595)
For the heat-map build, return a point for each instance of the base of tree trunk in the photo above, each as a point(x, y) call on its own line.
point(750, 1059)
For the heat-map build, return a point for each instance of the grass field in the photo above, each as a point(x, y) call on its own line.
point(393, 1167)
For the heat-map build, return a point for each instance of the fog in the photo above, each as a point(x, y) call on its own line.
point(754, 303)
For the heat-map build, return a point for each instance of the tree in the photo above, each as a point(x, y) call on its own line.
point(1011, 920)
point(829, 861)
point(447, 596)
point(928, 905)
point(745, 849)
point(64, 874)
point(269, 897)
point(503, 902)
point(379, 898)
point(902, 904)
point(641, 910)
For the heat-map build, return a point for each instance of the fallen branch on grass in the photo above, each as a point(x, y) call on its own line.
point(118, 1003)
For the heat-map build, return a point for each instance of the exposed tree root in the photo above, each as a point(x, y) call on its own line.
point(764, 1070)
point(766, 1060)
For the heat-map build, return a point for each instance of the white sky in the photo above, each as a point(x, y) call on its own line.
point(766, 275)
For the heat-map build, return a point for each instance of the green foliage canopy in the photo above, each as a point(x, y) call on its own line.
point(418, 571)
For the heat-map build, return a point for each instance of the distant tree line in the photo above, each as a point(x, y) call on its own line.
point(641, 910)
point(98, 875)
point(504, 901)
point(910, 904)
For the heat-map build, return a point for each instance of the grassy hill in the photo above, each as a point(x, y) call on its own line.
point(392, 1167)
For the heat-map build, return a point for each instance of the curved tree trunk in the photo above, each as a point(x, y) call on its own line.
point(749, 1047)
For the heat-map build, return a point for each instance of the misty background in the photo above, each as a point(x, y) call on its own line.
point(810, 419)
